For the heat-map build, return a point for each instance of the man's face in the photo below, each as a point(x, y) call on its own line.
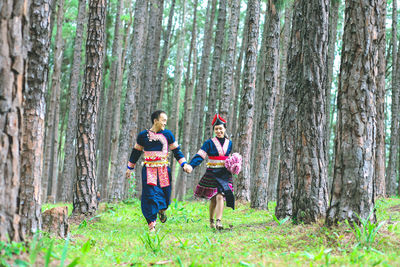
point(161, 121)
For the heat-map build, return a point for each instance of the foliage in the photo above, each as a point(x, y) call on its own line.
point(366, 232)
point(251, 237)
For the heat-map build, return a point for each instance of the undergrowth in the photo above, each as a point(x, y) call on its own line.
point(119, 236)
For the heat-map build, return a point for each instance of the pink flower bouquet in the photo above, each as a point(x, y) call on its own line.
point(234, 163)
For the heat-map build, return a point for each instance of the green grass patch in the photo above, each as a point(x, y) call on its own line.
point(119, 236)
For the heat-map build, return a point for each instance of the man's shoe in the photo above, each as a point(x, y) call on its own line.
point(162, 216)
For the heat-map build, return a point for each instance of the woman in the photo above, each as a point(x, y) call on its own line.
point(216, 184)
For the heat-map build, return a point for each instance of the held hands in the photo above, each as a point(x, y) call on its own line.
point(128, 173)
point(187, 168)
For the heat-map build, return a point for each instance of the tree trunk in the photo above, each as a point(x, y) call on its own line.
point(69, 168)
point(187, 122)
point(116, 125)
point(229, 69)
point(164, 56)
point(85, 187)
point(276, 146)
point(151, 60)
point(259, 196)
point(247, 101)
point(216, 67)
point(204, 70)
point(307, 72)
point(332, 32)
point(115, 69)
point(285, 188)
point(174, 118)
point(353, 190)
point(129, 119)
point(393, 165)
point(203, 78)
point(49, 182)
point(13, 56)
point(379, 178)
point(238, 75)
point(33, 123)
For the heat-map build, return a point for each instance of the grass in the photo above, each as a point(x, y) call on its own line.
point(119, 236)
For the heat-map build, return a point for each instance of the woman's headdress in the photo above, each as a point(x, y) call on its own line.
point(218, 120)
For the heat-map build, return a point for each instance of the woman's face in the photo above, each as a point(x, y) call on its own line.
point(219, 130)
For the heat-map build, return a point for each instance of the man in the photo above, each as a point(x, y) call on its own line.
point(156, 174)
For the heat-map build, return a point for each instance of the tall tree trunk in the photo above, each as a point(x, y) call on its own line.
point(379, 178)
point(116, 118)
point(332, 32)
point(49, 182)
point(276, 146)
point(285, 188)
point(33, 123)
point(69, 168)
point(164, 56)
point(151, 60)
point(115, 69)
point(353, 190)
point(85, 186)
point(187, 122)
point(247, 101)
point(307, 69)
point(216, 66)
point(393, 165)
point(204, 69)
point(238, 74)
point(129, 119)
point(229, 69)
point(13, 56)
point(174, 118)
point(259, 196)
point(203, 77)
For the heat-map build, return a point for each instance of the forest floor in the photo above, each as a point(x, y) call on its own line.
point(118, 236)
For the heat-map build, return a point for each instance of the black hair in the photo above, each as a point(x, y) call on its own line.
point(156, 115)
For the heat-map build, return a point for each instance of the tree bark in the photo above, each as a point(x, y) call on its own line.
point(14, 29)
point(229, 69)
point(247, 101)
point(115, 69)
point(34, 106)
point(238, 75)
point(187, 122)
point(85, 186)
point(393, 165)
point(379, 178)
point(49, 182)
point(216, 66)
point(151, 61)
point(117, 110)
point(307, 72)
point(332, 32)
point(69, 168)
point(352, 196)
point(129, 119)
point(174, 118)
point(276, 146)
point(164, 56)
point(259, 196)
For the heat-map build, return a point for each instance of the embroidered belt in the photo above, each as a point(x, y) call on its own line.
point(156, 163)
point(216, 162)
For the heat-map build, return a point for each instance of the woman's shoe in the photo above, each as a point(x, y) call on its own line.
point(162, 216)
point(212, 224)
point(152, 227)
point(218, 225)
